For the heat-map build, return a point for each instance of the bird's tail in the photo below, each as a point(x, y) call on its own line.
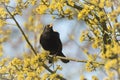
point(62, 55)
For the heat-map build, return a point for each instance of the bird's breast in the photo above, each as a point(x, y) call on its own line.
point(48, 41)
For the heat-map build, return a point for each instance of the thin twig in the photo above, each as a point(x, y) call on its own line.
point(76, 60)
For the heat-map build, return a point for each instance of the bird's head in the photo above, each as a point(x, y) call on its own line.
point(48, 28)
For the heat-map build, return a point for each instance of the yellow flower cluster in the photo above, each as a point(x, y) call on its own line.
point(94, 78)
point(33, 25)
point(28, 68)
point(3, 13)
point(2, 23)
point(94, 2)
point(83, 36)
point(97, 41)
point(110, 64)
point(91, 66)
point(70, 2)
point(85, 11)
point(82, 77)
point(18, 1)
point(102, 16)
point(41, 9)
point(108, 3)
point(4, 34)
point(101, 3)
point(111, 51)
point(4, 1)
point(57, 7)
point(113, 15)
point(33, 2)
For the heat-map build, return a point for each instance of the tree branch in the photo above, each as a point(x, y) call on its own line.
point(75, 6)
point(44, 65)
point(21, 30)
point(71, 59)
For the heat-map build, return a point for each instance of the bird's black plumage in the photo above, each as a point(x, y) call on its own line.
point(50, 41)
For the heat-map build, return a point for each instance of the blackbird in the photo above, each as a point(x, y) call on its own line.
point(50, 41)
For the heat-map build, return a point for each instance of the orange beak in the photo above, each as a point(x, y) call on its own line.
point(51, 25)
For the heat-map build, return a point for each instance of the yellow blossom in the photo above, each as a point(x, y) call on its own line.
point(45, 76)
point(95, 2)
point(80, 15)
point(70, 2)
point(1, 54)
point(68, 11)
point(3, 13)
point(101, 13)
point(44, 55)
point(31, 74)
point(25, 69)
point(116, 48)
point(40, 69)
point(41, 9)
point(26, 62)
point(91, 7)
point(108, 3)
point(111, 74)
point(17, 11)
point(19, 1)
point(96, 41)
point(84, 12)
point(3, 61)
point(20, 77)
point(53, 76)
point(109, 28)
point(94, 78)
point(1, 50)
point(58, 68)
point(95, 20)
point(82, 38)
point(59, 6)
point(16, 61)
point(2, 23)
point(28, 78)
point(91, 57)
point(82, 77)
point(94, 45)
point(3, 70)
point(88, 67)
point(110, 64)
point(92, 22)
point(52, 6)
point(101, 4)
point(117, 24)
point(118, 10)
point(37, 78)
point(72, 37)
point(33, 2)
point(85, 51)
point(4, 1)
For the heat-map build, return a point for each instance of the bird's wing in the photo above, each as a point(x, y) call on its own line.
point(58, 41)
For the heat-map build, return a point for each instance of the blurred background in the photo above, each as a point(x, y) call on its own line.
point(69, 30)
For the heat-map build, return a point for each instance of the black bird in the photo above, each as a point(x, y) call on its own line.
point(50, 41)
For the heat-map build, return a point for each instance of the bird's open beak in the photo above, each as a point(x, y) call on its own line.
point(51, 25)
